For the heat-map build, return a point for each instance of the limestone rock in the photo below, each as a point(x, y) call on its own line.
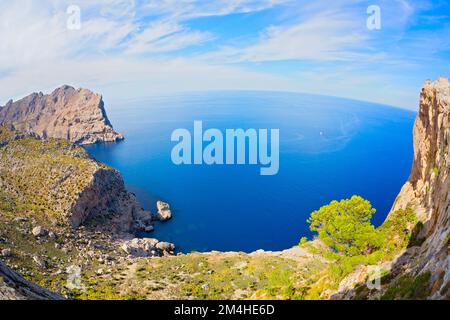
point(6, 253)
point(147, 247)
point(165, 246)
point(15, 287)
point(76, 115)
point(40, 262)
point(427, 192)
point(143, 220)
point(164, 212)
point(428, 188)
point(149, 229)
point(39, 232)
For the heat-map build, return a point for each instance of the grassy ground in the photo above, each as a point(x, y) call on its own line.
point(207, 276)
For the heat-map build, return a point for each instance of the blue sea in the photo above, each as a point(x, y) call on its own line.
point(330, 148)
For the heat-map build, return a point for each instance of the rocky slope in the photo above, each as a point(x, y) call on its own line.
point(76, 115)
point(15, 287)
point(60, 211)
point(59, 182)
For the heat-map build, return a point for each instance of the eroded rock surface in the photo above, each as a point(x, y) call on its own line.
point(428, 188)
point(147, 247)
point(77, 115)
point(59, 178)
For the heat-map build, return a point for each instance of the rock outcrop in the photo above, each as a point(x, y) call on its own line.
point(147, 247)
point(76, 115)
point(427, 191)
point(164, 213)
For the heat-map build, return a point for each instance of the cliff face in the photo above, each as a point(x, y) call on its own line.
point(58, 180)
point(76, 115)
point(428, 188)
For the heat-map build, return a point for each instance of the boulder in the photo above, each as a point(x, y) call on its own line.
point(149, 229)
point(164, 212)
point(165, 246)
point(39, 232)
point(40, 262)
point(6, 253)
point(144, 216)
point(140, 247)
point(148, 247)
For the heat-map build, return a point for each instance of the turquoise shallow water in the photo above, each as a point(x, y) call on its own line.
point(330, 148)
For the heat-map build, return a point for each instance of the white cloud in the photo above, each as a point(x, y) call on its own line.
point(119, 78)
point(325, 36)
point(129, 48)
point(188, 9)
point(164, 36)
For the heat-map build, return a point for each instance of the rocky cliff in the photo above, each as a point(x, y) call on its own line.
point(427, 191)
point(76, 115)
point(59, 182)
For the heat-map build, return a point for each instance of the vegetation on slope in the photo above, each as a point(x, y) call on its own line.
point(42, 178)
point(354, 243)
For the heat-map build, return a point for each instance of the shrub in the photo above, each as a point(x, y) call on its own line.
point(346, 227)
point(409, 287)
point(303, 241)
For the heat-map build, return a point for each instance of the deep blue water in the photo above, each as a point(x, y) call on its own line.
point(330, 148)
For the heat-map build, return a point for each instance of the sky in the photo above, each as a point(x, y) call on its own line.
point(131, 49)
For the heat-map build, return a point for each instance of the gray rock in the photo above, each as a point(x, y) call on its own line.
point(164, 212)
point(149, 229)
point(41, 262)
point(147, 247)
point(165, 246)
point(6, 253)
point(39, 232)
